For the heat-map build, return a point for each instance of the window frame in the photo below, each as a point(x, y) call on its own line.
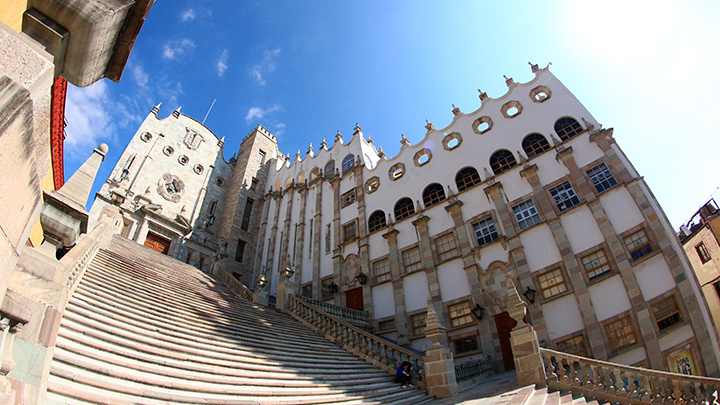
point(443, 256)
point(455, 341)
point(532, 145)
point(703, 252)
point(466, 185)
point(627, 322)
point(375, 224)
point(601, 177)
point(434, 196)
point(642, 249)
point(382, 277)
point(465, 314)
point(475, 224)
point(348, 162)
point(541, 279)
point(678, 311)
point(350, 225)
point(403, 210)
point(348, 198)
point(409, 267)
point(558, 344)
point(563, 194)
point(523, 223)
point(500, 164)
point(563, 132)
point(607, 262)
point(414, 328)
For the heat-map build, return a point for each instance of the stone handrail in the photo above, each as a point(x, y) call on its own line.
point(622, 384)
point(76, 261)
point(234, 285)
point(352, 315)
point(367, 346)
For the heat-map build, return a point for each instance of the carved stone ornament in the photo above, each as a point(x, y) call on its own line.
point(170, 187)
point(192, 138)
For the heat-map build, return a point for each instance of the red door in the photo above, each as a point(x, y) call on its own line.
point(504, 324)
point(354, 299)
point(157, 242)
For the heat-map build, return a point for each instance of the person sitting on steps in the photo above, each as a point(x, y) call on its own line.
point(403, 375)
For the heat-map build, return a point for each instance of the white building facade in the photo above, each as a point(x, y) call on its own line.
point(528, 187)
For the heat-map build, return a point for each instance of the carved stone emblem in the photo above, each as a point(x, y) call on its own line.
point(193, 138)
point(170, 187)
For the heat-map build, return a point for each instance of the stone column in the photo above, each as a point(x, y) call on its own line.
point(523, 339)
point(425, 243)
point(439, 362)
point(398, 291)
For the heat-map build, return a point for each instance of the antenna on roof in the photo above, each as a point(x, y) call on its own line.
point(208, 113)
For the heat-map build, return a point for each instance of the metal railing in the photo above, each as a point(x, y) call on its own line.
point(353, 316)
point(367, 346)
point(622, 384)
point(235, 285)
point(471, 369)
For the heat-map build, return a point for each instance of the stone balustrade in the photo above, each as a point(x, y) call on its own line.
point(622, 384)
point(353, 316)
point(367, 346)
point(235, 285)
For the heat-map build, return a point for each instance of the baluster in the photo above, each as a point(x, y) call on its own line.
point(677, 392)
point(698, 394)
point(645, 391)
point(597, 382)
point(624, 382)
point(550, 373)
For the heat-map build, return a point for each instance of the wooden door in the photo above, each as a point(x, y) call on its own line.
point(157, 242)
point(354, 299)
point(504, 324)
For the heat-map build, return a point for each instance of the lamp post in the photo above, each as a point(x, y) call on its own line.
point(362, 278)
point(261, 281)
point(478, 312)
point(333, 288)
point(530, 295)
point(288, 272)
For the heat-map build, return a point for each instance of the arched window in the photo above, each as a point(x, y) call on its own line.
point(567, 127)
point(502, 161)
point(466, 178)
point(535, 144)
point(404, 208)
point(377, 221)
point(329, 167)
point(433, 194)
point(348, 163)
point(314, 173)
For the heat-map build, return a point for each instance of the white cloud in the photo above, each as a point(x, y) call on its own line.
point(175, 49)
point(188, 15)
point(87, 111)
point(279, 128)
point(259, 113)
point(265, 66)
point(140, 76)
point(222, 63)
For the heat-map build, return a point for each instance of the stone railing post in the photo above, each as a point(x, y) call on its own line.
point(524, 342)
point(439, 361)
point(285, 288)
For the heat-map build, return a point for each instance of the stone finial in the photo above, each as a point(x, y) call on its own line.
point(509, 81)
point(556, 142)
point(456, 111)
point(404, 141)
point(323, 144)
point(155, 110)
point(434, 330)
point(487, 173)
point(429, 126)
point(588, 125)
point(522, 159)
point(533, 67)
point(78, 187)
point(176, 113)
point(483, 96)
point(310, 150)
point(516, 307)
point(357, 129)
point(338, 137)
point(381, 153)
point(298, 155)
point(369, 140)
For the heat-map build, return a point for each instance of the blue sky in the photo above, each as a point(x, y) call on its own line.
point(307, 69)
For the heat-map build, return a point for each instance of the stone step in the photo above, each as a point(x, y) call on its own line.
point(95, 387)
point(97, 311)
point(198, 369)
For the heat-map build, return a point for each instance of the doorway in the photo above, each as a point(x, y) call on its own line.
point(157, 243)
point(354, 299)
point(504, 324)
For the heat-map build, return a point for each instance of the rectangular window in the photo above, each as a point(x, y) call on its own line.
point(417, 324)
point(412, 260)
point(703, 253)
point(485, 231)
point(564, 196)
point(446, 248)
point(638, 244)
point(125, 229)
point(384, 326)
point(312, 242)
point(460, 314)
point(326, 293)
point(601, 177)
point(574, 345)
point(348, 198)
point(666, 313)
point(261, 156)
point(349, 232)
point(253, 184)
point(526, 214)
point(307, 290)
point(240, 251)
point(381, 270)
point(213, 205)
point(620, 334)
point(246, 215)
point(552, 283)
point(466, 344)
point(328, 237)
point(596, 264)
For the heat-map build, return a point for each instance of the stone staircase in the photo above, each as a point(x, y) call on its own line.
point(143, 328)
